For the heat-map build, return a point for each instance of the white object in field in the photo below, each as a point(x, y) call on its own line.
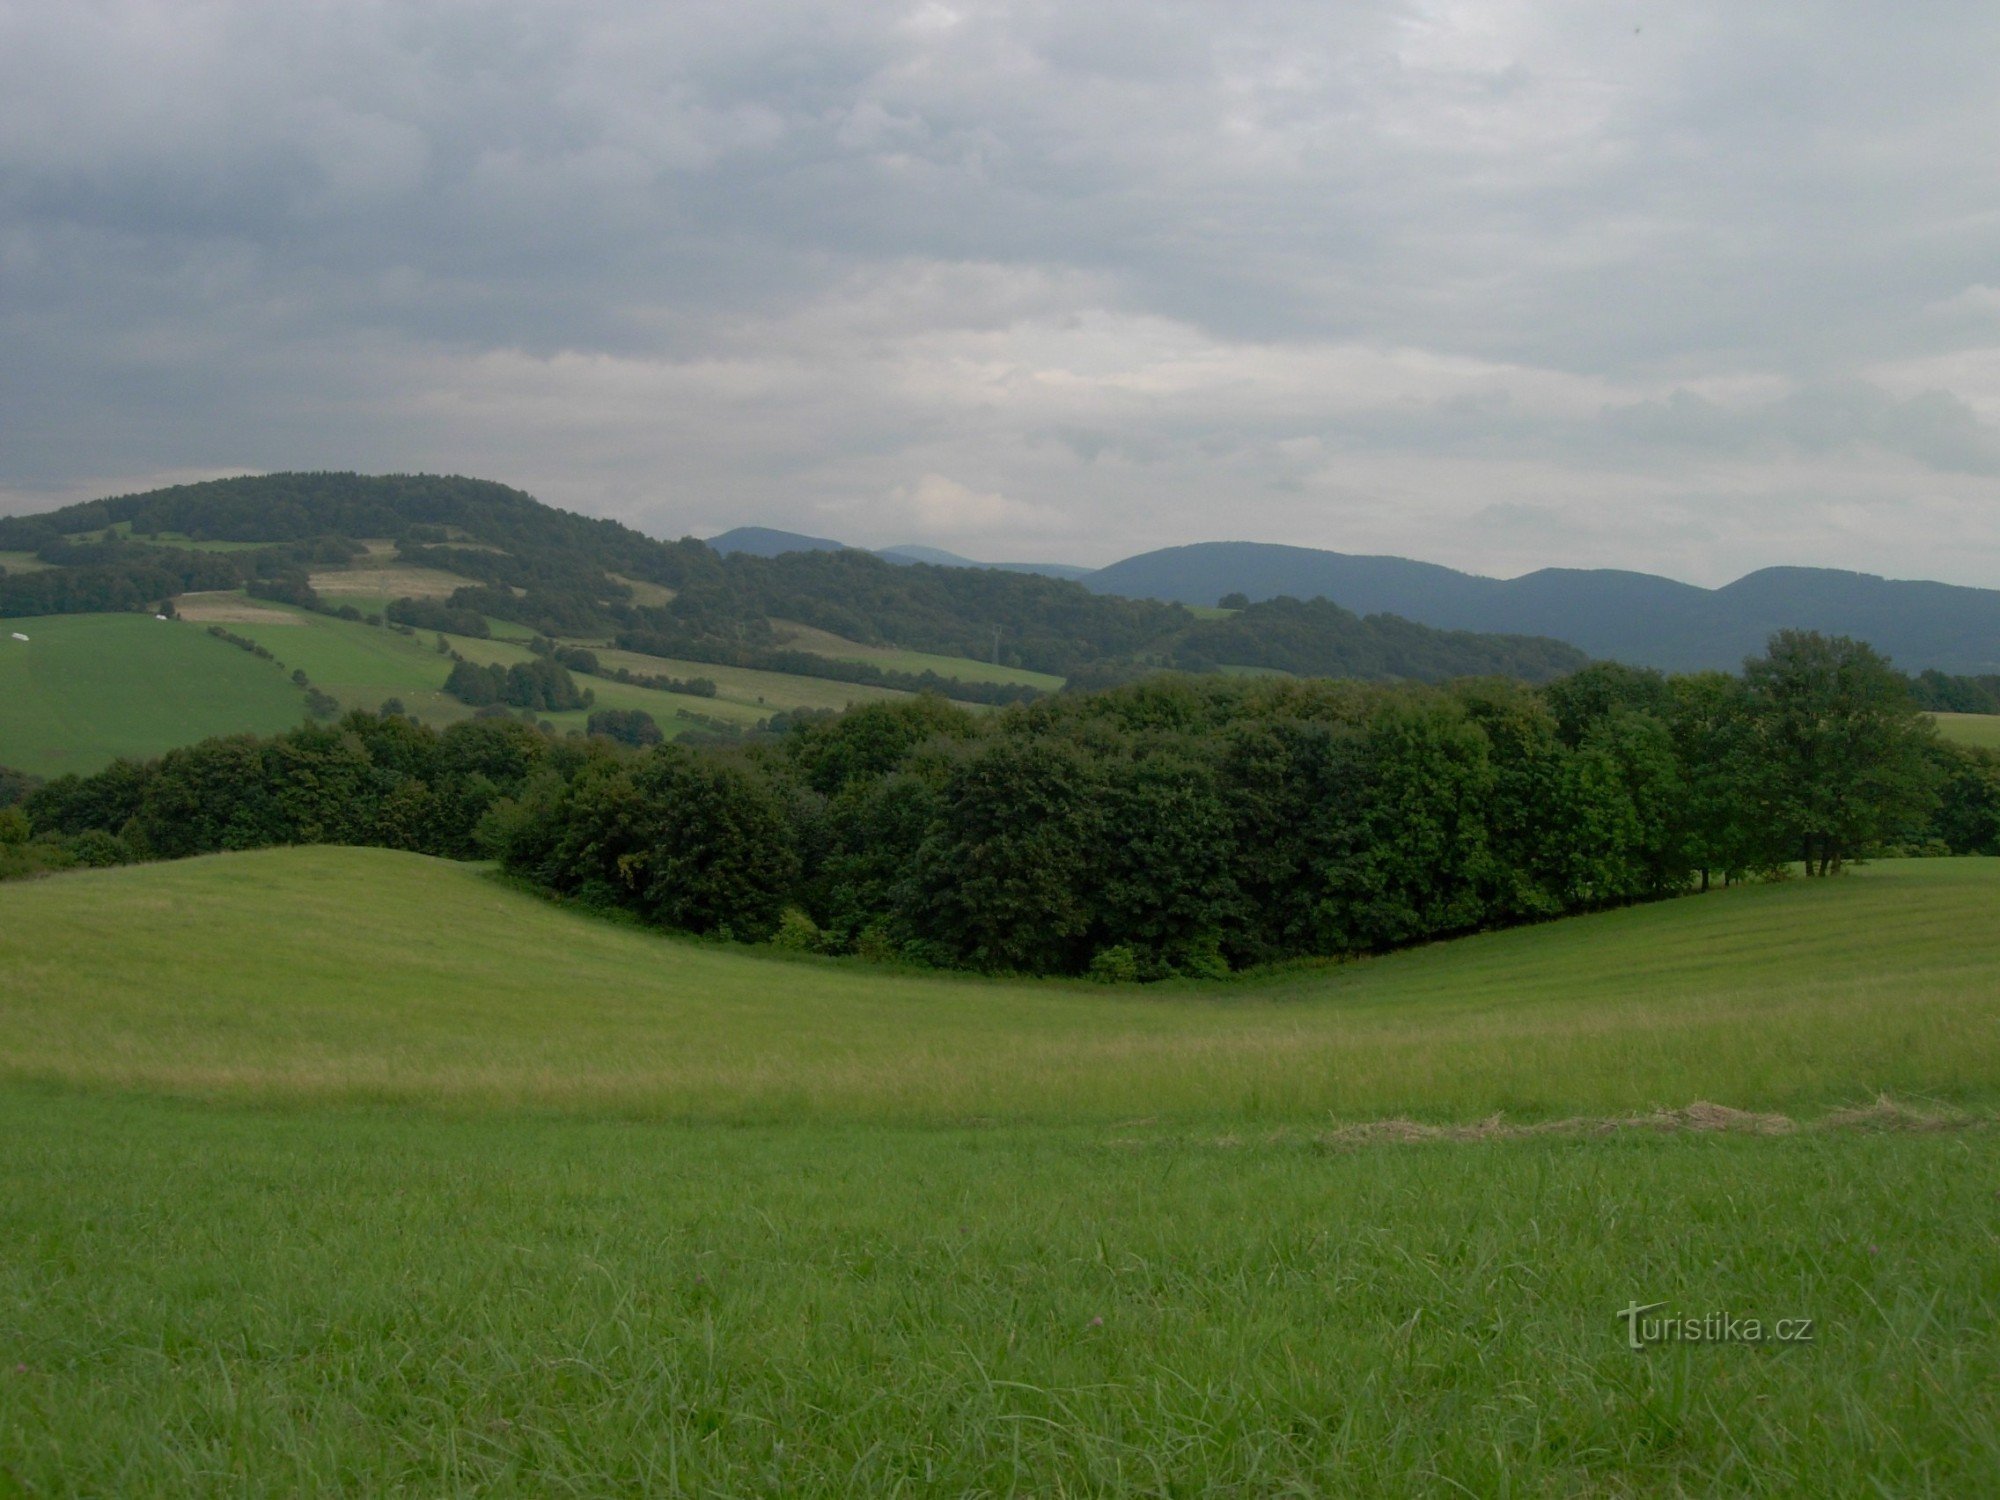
point(159, 617)
point(18, 636)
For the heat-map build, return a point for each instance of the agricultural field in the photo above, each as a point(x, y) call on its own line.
point(796, 637)
point(1982, 730)
point(171, 539)
point(370, 587)
point(89, 688)
point(437, 1187)
point(364, 665)
point(21, 562)
point(747, 688)
point(85, 689)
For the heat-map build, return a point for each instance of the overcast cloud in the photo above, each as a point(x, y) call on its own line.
point(1693, 288)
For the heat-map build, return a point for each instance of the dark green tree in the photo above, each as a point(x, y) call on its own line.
point(1847, 757)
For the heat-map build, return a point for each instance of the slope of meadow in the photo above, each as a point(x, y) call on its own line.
point(345, 1171)
point(372, 975)
point(85, 689)
point(1982, 730)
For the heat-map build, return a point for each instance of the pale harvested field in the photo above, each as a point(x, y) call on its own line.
point(393, 582)
point(231, 608)
point(650, 594)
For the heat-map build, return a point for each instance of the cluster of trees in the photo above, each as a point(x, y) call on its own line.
point(430, 614)
point(368, 779)
point(541, 685)
point(628, 726)
point(1196, 825)
point(1944, 693)
point(1314, 637)
point(1180, 825)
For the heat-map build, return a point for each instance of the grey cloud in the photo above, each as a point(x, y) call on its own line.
point(1935, 428)
point(780, 261)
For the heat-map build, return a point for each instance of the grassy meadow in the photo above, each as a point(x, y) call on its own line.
point(368, 976)
point(85, 689)
point(797, 637)
point(88, 688)
point(329, 1170)
point(1982, 730)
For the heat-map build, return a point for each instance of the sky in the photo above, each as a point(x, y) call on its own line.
point(1693, 288)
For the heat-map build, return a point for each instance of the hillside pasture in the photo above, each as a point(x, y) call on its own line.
point(1981, 730)
point(436, 1188)
point(745, 688)
point(425, 982)
point(381, 584)
point(83, 690)
point(796, 637)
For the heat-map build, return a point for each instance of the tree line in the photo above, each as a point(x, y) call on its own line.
point(1179, 825)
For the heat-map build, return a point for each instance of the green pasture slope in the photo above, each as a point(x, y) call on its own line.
point(1982, 730)
point(435, 1188)
point(85, 689)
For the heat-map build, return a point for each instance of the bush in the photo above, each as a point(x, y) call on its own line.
point(797, 932)
point(99, 850)
point(628, 726)
point(1118, 964)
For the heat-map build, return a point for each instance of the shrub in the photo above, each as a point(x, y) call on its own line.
point(1118, 964)
point(797, 932)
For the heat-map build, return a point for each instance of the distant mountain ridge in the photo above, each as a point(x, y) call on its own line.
point(1627, 616)
point(766, 541)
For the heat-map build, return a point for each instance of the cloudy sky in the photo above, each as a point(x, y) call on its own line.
point(1692, 288)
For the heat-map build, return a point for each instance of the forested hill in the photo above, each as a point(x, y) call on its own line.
point(1638, 618)
point(567, 575)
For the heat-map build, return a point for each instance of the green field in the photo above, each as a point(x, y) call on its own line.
point(795, 637)
point(84, 689)
point(1971, 729)
point(423, 982)
point(87, 688)
point(364, 665)
point(436, 1188)
point(746, 688)
point(21, 562)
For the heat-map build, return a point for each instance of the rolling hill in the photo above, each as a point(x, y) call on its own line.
point(355, 974)
point(433, 1187)
point(1625, 616)
point(571, 578)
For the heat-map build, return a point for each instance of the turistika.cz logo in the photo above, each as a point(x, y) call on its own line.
point(1648, 1324)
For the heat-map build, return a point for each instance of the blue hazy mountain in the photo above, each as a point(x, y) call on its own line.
point(1633, 617)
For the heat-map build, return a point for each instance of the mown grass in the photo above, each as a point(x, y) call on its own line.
point(203, 1301)
point(85, 689)
point(1971, 729)
point(343, 1171)
point(365, 975)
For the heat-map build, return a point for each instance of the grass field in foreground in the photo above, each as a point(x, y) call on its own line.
point(85, 689)
point(374, 976)
point(1971, 729)
point(203, 1300)
point(342, 1171)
